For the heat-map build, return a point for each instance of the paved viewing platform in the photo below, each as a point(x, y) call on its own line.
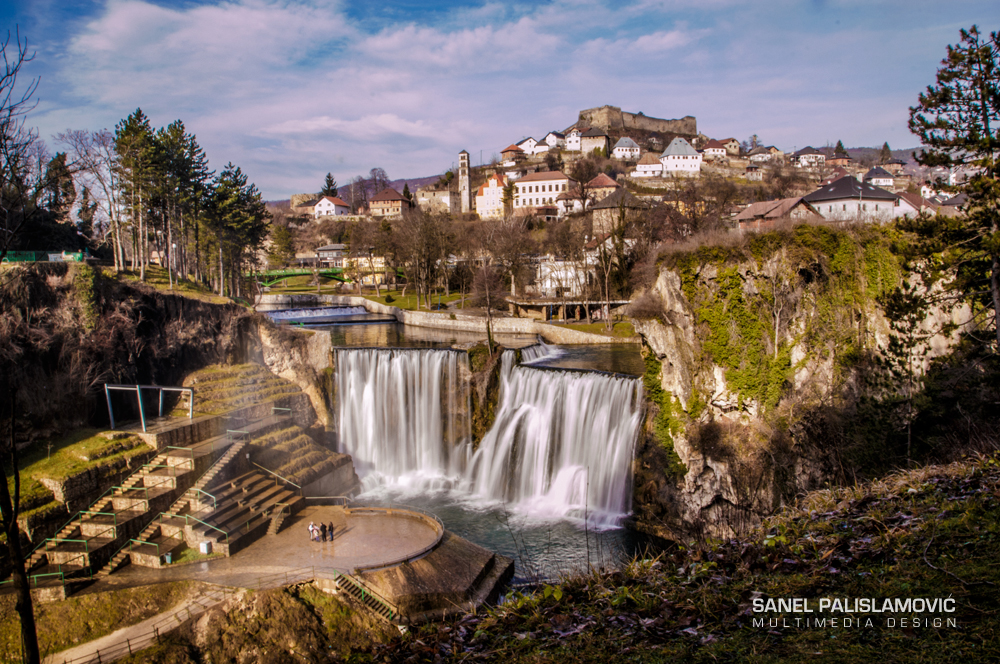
point(362, 540)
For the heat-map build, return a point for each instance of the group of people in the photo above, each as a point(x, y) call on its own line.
point(320, 533)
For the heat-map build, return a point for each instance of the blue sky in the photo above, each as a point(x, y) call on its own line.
point(292, 89)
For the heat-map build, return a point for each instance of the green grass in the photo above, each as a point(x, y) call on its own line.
point(74, 453)
point(158, 278)
point(622, 330)
point(80, 619)
point(304, 284)
point(410, 301)
point(189, 555)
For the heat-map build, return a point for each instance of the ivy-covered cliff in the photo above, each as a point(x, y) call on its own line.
point(779, 363)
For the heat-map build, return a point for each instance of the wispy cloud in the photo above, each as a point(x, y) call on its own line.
point(291, 89)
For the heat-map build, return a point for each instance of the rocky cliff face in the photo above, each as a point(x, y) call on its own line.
point(752, 350)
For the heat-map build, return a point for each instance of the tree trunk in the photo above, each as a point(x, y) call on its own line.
point(9, 507)
point(995, 288)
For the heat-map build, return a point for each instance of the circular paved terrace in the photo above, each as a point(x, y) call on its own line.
point(363, 539)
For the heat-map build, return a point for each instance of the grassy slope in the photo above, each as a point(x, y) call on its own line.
point(70, 454)
point(933, 532)
point(80, 619)
point(623, 330)
point(158, 278)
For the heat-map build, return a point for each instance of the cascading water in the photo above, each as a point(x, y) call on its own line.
point(561, 444)
point(540, 352)
point(402, 415)
point(316, 312)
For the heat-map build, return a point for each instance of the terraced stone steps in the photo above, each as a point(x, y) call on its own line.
point(374, 604)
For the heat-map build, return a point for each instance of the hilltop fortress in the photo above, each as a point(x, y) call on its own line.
point(612, 117)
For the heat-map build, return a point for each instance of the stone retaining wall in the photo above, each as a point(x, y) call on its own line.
point(458, 322)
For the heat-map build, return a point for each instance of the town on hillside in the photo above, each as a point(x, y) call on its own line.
point(607, 189)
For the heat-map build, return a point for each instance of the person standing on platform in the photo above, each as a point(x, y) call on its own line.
point(322, 531)
point(329, 529)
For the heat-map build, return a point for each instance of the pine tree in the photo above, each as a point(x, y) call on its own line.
point(840, 148)
point(329, 186)
point(957, 120)
point(406, 191)
point(60, 192)
point(134, 146)
point(885, 154)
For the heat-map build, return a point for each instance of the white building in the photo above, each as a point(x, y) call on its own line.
point(809, 157)
point(714, 150)
point(532, 147)
point(680, 159)
point(556, 278)
point(330, 206)
point(649, 166)
point(625, 148)
point(847, 200)
point(573, 140)
point(537, 189)
point(879, 177)
point(555, 140)
point(489, 197)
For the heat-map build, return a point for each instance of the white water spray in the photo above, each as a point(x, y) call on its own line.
point(561, 444)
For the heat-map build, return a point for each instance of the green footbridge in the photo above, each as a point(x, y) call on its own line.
point(271, 277)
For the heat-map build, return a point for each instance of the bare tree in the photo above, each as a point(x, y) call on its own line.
point(92, 156)
point(20, 173)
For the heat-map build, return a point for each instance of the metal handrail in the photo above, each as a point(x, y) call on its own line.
point(111, 514)
point(104, 531)
point(345, 499)
point(215, 503)
point(71, 520)
point(61, 539)
point(138, 541)
point(283, 479)
point(363, 587)
point(188, 516)
point(173, 469)
point(186, 449)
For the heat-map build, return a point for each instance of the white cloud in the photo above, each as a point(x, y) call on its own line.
point(291, 89)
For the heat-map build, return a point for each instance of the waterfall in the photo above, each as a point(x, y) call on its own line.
point(561, 444)
point(540, 352)
point(402, 414)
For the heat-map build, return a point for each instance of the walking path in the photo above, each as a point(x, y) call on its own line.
point(272, 561)
point(132, 639)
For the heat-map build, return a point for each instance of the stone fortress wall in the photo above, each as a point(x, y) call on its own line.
point(612, 117)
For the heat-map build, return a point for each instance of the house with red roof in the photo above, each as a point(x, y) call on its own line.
point(512, 155)
point(763, 215)
point(714, 150)
point(535, 190)
point(388, 203)
point(330, 206)
point(489, 196)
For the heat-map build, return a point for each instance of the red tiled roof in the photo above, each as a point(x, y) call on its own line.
point(545, 175)
point(501, 180)
point(512, 147)
point(770, 209)
point(334, 200)
point(386, 195)
point(602, 181)
point(714, 144)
